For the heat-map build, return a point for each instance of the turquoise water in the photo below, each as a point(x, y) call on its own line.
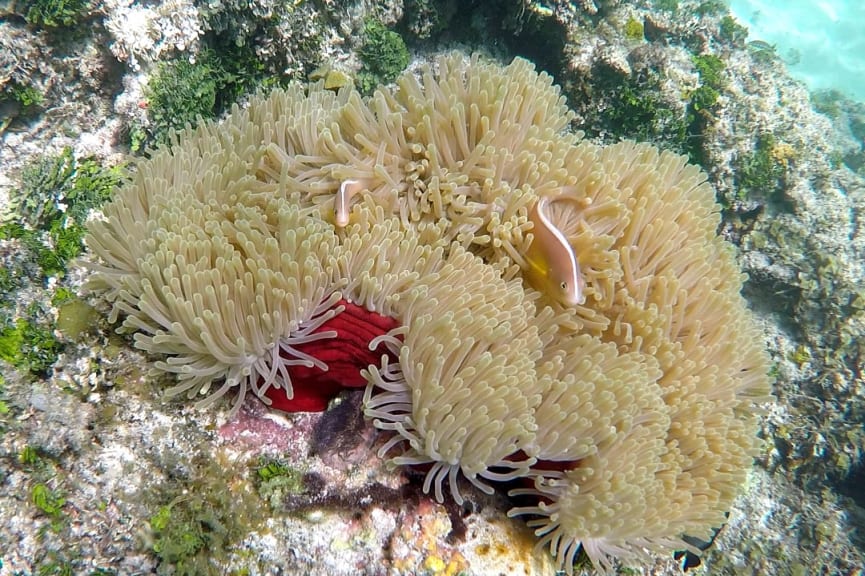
point(823, 41)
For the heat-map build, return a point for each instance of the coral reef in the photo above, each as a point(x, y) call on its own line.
point(144, 32)
point(89, 455)
point(232, 248)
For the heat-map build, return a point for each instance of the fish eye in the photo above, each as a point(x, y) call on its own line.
point(564, 286)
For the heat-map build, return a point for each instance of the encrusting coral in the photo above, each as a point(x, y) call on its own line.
point(393, 238)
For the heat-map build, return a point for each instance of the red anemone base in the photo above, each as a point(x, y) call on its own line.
point(345, 356)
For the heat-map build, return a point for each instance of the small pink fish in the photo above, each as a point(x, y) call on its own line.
point(553, 266)
point(342, 203)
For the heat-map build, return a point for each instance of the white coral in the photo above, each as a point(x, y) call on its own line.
point(143, 33)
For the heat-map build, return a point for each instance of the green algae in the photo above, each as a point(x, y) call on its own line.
point(75, 318)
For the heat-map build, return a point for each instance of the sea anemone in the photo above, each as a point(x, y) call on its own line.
point(606, 361)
